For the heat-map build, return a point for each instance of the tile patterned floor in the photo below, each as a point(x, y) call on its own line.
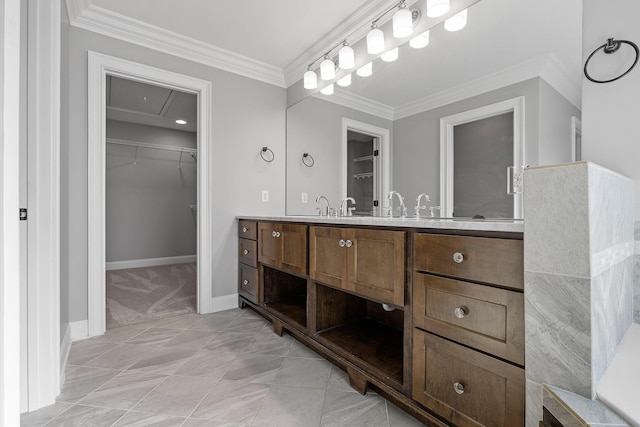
point(222, 369)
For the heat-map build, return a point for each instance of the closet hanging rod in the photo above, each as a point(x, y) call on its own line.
point(148, 145)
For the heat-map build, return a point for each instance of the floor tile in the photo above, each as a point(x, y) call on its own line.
point(82, 380)
point(255, 368)
point(233, 312)
point(399, 418)
point(207, 364)
point(339, 380)
point(232, 401)
point(212, 323)
point(179, 322)
point(121, 334)
point(230, 341)
point(154, 336)
point(162, 361)
point(121, 357)
point(177, 396)
point(124, 391)
point(303, 372)
point(144, 419)
point(342, 408)
point(285, 406)
point(267, 342)
point(246, 324)
point(84, 416)
point(86, 350)
point(300, 350)
point(191, 339)
point(42, 416)
point(194, 422)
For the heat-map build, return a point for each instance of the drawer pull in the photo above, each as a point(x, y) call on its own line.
point(458, 257)
point(245, 252)
point(460, 312)
point(277, 234)
point(245, 229)
point(245, 282)
point(458, 387)
point(342, 243)
point(273, 233)
point(349, 243)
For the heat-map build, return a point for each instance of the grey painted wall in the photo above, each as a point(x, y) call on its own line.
point(246, 115)
point(554, 113)
point(148, 212)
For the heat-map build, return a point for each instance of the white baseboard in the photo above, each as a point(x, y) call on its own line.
point(225, 302)
point(78, 330)
point(65, 349)
point(150, 262)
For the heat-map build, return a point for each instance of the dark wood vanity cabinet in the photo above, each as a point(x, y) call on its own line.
point(248, 261)
point(283, 246)
point(366, 262)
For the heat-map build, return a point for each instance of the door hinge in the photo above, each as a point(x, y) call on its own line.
point(23, 214)
point(376, 203)
point(375, 153)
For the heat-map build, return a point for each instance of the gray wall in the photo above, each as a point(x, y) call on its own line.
point(315, 126)
point(148, 212)
point(246, 115)
point(555, 133)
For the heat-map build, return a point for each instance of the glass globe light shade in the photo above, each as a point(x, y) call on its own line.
point(420, 41)
point(436, 8)
point(327, 90)
point(345, 81)
point(327, 69)
point(346, 58)
point(310, 80)
point(402, 23)
point(390, 55)
point(375, 41)
point(366, 70)
point(456, 22)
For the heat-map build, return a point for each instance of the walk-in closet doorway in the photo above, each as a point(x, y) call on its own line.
point(121, 151)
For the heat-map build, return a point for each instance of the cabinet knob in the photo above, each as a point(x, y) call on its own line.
point(245, 252)
point(349, 243)
point(245, 282)
point(460, 312)
point(277, 234)
point(458, 257)
point(458, 387)
point(245, 229)
point(273, 233)
point(342, 243)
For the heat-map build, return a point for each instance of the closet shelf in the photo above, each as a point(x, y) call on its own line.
point(363, 159)
point(363, 175)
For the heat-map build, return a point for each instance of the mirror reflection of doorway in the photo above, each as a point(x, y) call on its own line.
point(362, 150)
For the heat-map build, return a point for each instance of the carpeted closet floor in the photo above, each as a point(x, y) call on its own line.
point(137, 295)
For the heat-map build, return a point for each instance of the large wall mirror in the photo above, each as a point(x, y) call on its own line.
point(509, 50)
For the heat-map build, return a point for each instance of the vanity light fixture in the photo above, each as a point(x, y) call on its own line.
point(327, 69)
point(420, 41)
point(456, 22)
point(346, 57)
point(390, 55)
point(310, 79)
point(366, 70)
point(402, 21)
point(345, 81)
point(181, 122)
point(375, 40)
point(327, 90)
point(436, 8)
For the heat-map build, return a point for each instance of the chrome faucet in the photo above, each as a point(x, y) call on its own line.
point(325, 211)
point(344, 209)
point(419, 207)
point(402, 207)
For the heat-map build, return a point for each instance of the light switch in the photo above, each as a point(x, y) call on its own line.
point(304, 197)
point(265, 195)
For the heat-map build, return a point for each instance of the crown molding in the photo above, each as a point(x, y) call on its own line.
point(84, 15)
point(559, 78)
point(359, 103)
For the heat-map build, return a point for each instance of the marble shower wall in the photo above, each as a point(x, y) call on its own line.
point(578, 275)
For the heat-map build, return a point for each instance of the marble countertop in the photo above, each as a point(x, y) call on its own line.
point(501, 225)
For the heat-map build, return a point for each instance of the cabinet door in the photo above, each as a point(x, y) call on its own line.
point(376, 266)
point(294, 248)
point(269, 246)
point(327, 259)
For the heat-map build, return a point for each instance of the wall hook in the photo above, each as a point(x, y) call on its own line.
point(307, 159)
point(265, 152)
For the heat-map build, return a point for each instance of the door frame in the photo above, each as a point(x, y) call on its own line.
point(515, 105)
point(100, 66)
point(383, 180)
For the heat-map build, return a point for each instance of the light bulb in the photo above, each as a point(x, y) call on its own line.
point(375, 40)
point(402, 22)
point(436, 8)
point(366, 70)
point(456, 22)
point(390, 55)
point(327, 90)
point(346, 58)
point(327, 69)
point(420, 41)
point(345, 81)
point(310, 80)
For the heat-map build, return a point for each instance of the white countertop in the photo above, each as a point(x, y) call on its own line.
point(501, 225)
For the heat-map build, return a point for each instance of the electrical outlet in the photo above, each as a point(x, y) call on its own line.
point(304, 197)
point(265, 195)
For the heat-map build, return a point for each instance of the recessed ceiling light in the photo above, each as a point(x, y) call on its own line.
point(181, 122)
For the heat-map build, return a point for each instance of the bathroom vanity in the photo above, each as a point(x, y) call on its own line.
point(429, 313)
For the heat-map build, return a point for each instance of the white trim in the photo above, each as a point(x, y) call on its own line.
point(150, 262)
point(383, 180)
point(226, 302)
point(359, 103)
point(44, 202)
point(83, 14)
point(78, 330)
point(576, 129)
point(65, 349)
point(515, 105)
point(99, 66)
point(9, 204)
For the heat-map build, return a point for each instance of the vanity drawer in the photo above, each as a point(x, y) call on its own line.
point(488, 260)
point(248, 282)
point(248, 229)
point(248, 252)
point(466, 387)
point(489, 319)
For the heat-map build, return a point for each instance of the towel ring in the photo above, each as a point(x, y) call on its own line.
point(267, 150)
point(305, 159)
point(610, 47)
